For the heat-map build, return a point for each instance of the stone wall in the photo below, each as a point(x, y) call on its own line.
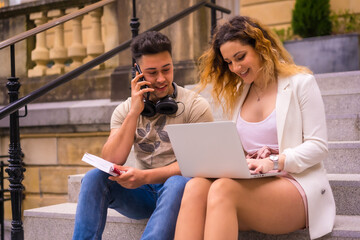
point(277, 13)
point(49, 160)
point(54, 137)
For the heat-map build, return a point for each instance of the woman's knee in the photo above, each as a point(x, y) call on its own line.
point(223, 190)
point(197, 189)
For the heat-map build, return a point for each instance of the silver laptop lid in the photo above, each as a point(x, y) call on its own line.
point(211, 150)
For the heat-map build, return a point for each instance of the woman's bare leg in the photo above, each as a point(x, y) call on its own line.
point(191, 220)
point(268, 205)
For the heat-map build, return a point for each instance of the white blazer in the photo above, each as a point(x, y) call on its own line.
point(302, 137)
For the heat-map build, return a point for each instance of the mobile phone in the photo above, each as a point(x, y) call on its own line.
point(137, 67)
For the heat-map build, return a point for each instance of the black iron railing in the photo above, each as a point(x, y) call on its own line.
point(4, 196)
point(15, 169)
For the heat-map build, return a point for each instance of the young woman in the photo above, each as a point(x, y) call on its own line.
point(278, 108)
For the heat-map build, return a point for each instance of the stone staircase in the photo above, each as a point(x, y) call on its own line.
point(341, 94)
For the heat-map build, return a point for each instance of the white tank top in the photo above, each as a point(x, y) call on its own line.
point(255, 135)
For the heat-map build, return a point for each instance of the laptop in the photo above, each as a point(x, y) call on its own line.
point(211, 150)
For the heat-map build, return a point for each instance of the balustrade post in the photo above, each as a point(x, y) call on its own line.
point(134, 26)
point(40, 55)
point(134, 21)
point(111, 32)
point(95, 46)
point(58, 52)
point(213, 18)
point(77, 50)
point(15, 169)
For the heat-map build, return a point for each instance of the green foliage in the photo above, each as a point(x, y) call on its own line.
point(284, 34)
point(311, 18)
point(342, 22)
point(345, 22)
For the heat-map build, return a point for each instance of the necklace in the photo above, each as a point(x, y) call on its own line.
point(258, 96)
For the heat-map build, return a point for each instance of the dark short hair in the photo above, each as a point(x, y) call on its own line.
point(149, 43)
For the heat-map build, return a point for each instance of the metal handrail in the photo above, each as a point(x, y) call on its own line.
point(16, 105)
point(3, 198)
point(53, 23)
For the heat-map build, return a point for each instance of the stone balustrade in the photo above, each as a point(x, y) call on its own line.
point(71, 44)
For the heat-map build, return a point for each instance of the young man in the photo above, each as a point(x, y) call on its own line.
point(154, 189)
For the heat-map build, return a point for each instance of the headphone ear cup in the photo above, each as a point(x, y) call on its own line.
point(149, 109)
point(166, 106)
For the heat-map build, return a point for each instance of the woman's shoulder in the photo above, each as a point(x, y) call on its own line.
point(301, 84)
point(300, 79)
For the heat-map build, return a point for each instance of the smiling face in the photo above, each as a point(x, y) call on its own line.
point(158, 69)
point(242, 60)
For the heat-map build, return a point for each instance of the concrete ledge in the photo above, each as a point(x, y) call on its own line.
point(66, 113)
point(339, 80)
point(345, 187)
point(335, 53)
point(57, 223)
point(341, 157)
point(67, 211)
point(346, 190)
point(347, 179)
point(347, 226)
point(74, 184)
point(343, 127)
point(40, 224)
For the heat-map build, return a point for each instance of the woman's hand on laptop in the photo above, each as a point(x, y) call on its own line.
point(260, 165)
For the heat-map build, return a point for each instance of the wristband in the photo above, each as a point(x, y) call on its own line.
point(275, 160)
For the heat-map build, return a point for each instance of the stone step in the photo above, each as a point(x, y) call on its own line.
point(340, 91)
point(346, 228)
point(74, 184)
point(342, 101)
point(344, 157)
point(336, 81)
point(346, 190)
point(40, 223)
point(7, 229)
point(343, 127)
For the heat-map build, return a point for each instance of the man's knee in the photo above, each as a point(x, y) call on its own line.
point(174, 187)
point(94, 179)
point(176, 182)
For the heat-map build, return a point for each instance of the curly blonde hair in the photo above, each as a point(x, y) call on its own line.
point(276, 61)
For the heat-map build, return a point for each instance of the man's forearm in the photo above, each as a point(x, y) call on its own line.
point(119, 144)
point(160, 175)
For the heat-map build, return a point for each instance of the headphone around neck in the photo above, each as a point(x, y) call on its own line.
point(166, 105)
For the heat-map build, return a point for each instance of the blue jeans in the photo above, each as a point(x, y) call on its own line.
point(159, 202)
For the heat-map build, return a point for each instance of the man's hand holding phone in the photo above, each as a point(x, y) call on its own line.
point(139, 87)
point(138, 70)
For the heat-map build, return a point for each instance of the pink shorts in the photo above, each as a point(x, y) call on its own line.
point(301, 191)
